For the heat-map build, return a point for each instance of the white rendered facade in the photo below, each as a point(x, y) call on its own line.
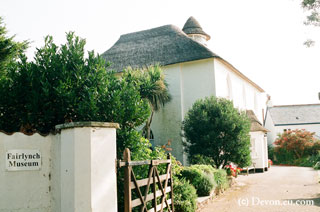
point(195, 80)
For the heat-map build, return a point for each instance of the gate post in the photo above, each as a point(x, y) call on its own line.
point(88, 172)
point(127, 181)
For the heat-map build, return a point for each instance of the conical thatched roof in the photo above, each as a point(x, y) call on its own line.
point(192, 26)
point(163, 45)
point(255, 123)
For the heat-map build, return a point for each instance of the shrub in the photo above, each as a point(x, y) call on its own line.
point(185, 197)
point(205, 168)
point(203, 182)
point(296, 147)
point(299, 143)
point(271, 151)
point(215, 129)
point(317, 166)
point(200, 159)
point(281, 156)
point(221, 178)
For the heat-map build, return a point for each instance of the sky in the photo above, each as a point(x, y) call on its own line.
point(263, 39)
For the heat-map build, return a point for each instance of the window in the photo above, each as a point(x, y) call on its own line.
point(144, 133)
point(255, 103)
point(152, 138)
point(244, 97)
point(253, 148)
point(253, 144)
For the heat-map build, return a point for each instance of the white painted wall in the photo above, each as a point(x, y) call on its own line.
point(259, 150)
point(77, 174)
point(244, 95)
point(56, 173)
point(166, 124)
point(195, 80)
point(27, 191)
point(198, 82)
point(187, 82)
point(88, 172)
point(272, 135)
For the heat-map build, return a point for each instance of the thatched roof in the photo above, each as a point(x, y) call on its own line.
point(192, 26)
point(163, 45)
point(255, 123)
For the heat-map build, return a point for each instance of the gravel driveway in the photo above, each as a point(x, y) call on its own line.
point(281, 189)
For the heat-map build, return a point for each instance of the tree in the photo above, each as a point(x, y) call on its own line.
point(214, 129)
point(154, 89)
point(62, 85)
point(9, 49)
point(313, 18)
point(313, 6)
point(299, 142)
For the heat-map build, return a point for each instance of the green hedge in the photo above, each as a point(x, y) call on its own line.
point(201, 180)
point(185, 196)
point(317, 166)
point(206, 168)
point(205, 178)
point(221, 178)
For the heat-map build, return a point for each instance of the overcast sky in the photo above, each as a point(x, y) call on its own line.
point(262, 38)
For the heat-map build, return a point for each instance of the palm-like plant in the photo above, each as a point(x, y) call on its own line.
point(154, 89)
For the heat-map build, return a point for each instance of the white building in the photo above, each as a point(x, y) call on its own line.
point(259, 146)
point(285, 117)
point(192, 71)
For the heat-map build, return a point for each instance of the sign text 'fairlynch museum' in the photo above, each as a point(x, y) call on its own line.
point(23, 159)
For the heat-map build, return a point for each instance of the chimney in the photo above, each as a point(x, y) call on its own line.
point(269, 101)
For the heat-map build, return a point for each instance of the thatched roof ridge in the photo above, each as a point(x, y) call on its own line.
point(163, 45)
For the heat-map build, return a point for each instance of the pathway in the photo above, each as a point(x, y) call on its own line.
point(281, 189)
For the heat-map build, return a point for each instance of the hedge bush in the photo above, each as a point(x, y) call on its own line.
point(214, 129)
point(202, 181)
point(185, 196)
point(201, 160)
point(206, 168)
point(317, 166)
point(221, 178)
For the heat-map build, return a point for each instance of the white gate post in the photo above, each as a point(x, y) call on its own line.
point(88, 172)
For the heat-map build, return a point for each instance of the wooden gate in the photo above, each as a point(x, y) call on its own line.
point(162, 185)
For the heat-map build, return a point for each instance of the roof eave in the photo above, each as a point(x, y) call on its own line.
point(236, 71)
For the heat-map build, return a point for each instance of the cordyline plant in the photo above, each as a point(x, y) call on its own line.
point(300, 142)
point(154, 89)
